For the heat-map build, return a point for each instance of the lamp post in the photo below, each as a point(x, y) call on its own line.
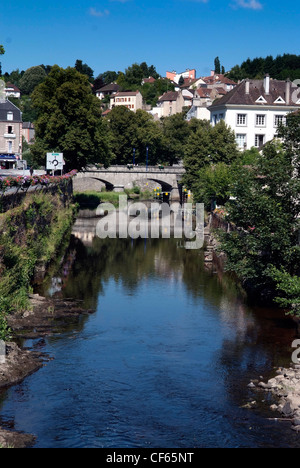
point(147, 157)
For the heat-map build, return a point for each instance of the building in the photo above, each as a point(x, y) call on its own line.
point(219, 81)
point(188, 74)
point(149, 80)
point(254, 108)
point(10, 135)
point(28, 132)
point(203, 99)
point(133, 100)
point(12, 90)
point(169, 103)
point(107, 90)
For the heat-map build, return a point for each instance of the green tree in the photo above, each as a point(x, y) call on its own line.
point(265, 249)
point(214, 184)
point(175, 132)
point(137, 131)
point(69, 120)
point(2, 52)
point(208, 145)
point(217, 66)
point(31, 78)
point(84, 69)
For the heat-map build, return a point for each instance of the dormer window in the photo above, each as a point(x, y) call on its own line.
point(10, 116)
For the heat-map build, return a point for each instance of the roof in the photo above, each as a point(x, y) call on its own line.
point(27, 125)
point(149, 80)
point(6, 107)
point(169, 96)
point(257, 94)
point(189, 82)
point(218, 78)
point(125, 93)
point(112, 87)
point(9, 86)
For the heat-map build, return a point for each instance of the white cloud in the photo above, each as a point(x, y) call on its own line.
point(98, 13)
point(249, 4)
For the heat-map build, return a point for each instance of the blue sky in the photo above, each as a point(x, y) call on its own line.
point(170, 34)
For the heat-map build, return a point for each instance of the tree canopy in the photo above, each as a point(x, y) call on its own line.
point(265, 251)
point(69, 120)
point(282, 67)
point(31, 78)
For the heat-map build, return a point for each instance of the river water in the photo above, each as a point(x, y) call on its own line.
point(165, 361)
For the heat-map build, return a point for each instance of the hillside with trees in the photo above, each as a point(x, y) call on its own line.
point(280, 68)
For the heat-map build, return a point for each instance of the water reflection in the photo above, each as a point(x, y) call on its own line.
point(164, 362)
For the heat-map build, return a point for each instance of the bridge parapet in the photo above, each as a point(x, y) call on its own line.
point(138, 169)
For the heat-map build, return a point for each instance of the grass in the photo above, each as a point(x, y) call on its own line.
point(92, 199)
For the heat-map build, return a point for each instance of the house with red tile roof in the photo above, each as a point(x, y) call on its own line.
point(133, 100)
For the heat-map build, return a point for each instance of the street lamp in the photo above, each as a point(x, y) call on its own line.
point(147, 156)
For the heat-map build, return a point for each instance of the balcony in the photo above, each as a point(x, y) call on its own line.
point(10, 135)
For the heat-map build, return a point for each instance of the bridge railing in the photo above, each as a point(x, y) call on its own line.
point(138, 169)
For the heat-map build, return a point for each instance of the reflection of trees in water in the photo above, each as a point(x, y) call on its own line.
point(128, 262)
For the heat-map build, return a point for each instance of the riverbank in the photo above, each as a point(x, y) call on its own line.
point(284, 387)
point(45, 317)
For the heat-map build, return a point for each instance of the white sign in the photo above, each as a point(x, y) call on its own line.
point(55, 161)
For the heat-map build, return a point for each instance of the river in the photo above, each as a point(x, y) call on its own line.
point(165, 361)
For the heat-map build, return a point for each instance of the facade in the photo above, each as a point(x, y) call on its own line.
point(107, 90)
point(219, 81)
point(10, 135)
point(169, 103)
point(12, 91)
point(254, 109)
point(133, 100)
point(28, 132)
point(188, 74)
point(203, 99)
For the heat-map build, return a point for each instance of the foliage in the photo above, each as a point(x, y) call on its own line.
point(288, 288)
point(217, 66)
point(208, 145)
point(266, 211)
point(282, 67)
point(30, 234)
point(24, 182)
point(131, 131)
point(31, 78)
point(214, 184)
point(133, 76)
point(69, 120)
point(84, 69)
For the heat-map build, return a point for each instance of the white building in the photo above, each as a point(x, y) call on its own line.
point(11, 90)
point(254, 108)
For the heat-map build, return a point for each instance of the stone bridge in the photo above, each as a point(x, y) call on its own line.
point(118, 178)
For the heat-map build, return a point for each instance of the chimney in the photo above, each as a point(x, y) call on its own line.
point(267, 84)
point(287, 91)
point(247, 86)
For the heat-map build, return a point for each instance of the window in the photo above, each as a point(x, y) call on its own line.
point(9, 130)
point(241, 140)
point(241, 119)
point(260, 120)
point(10, 116)
point(278, 120)
point(10, 147)
point(259, 141)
